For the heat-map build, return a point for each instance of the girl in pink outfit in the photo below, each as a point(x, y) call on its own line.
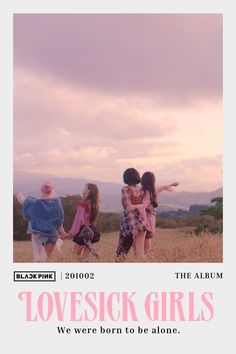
point(83, 231)
point(150, 202)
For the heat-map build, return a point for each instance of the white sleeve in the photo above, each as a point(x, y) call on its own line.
point(20, 197)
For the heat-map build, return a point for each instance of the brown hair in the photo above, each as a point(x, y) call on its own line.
point(93, 197)
point(148, 184)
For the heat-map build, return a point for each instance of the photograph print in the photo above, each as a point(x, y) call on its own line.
point(118, 138)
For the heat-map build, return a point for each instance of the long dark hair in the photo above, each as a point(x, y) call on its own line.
point(93, 197)
point(148, 184)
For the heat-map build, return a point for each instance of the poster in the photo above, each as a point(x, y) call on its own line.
point(88, 92)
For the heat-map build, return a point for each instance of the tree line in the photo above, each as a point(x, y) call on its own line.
point(106, 222)
point(200, 217)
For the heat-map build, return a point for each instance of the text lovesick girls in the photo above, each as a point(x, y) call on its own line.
point(117, 306)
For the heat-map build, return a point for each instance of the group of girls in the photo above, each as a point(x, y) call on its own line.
point(45, 223)
point(46, 216)
point(139, 203)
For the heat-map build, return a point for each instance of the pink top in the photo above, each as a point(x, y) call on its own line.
point(150, 211)
point(82, 217)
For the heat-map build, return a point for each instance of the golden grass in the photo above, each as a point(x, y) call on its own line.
point(168, 246)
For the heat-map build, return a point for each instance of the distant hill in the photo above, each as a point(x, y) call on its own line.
point(29, 183)
point(185, 199)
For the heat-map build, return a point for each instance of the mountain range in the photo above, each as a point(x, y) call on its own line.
point(29, 184)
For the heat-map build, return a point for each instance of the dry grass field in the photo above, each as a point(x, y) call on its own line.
point(168, 246)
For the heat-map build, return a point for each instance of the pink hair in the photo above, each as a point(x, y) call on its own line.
point(47, 188)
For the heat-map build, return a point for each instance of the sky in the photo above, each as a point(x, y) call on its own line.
point(95, 94)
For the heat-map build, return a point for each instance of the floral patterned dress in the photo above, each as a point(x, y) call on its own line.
point(132, 221)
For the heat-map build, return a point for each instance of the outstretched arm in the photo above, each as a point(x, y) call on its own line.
point(167, 187)
point(20, 197)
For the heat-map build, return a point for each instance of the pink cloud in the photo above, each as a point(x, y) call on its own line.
point(47, 109)
point(177, 57)
point(99, 93)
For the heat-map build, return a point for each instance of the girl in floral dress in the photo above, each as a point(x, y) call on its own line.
point(133, 224)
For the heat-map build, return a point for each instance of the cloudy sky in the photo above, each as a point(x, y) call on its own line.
point(96, 94)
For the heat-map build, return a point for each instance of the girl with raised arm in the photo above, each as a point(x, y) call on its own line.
point(45, 217)
point(149, 201)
